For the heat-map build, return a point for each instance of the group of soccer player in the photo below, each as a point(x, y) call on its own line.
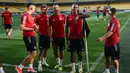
point(51, 29)
point(104, 13)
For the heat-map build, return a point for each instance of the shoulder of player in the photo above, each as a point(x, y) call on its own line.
point(114, 21)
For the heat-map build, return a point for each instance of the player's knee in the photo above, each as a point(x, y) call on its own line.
point(34, 53)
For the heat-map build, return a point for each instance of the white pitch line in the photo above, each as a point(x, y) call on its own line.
point(70, 65)
point(92, 68)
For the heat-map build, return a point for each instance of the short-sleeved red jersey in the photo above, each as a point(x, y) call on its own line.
point(7, 17)
point(28, 21)
point(43, 22)
point(97, 11)
point(113, 26)
point(104, 10)
point(57, 22)
point(76, 31)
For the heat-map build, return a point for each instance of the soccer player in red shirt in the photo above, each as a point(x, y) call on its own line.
point(28, 27)
point(75, 38)
point(112, 49)
point(7, 21)
point(104, 13)
point(97, 12)
point(1, 68)
point(57, 22)
point(42, 20)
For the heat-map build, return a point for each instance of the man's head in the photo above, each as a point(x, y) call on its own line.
point(6, 8)
point(112, 12)
point(75, 8)
point(56, 8)
point(44, 8)
point(31, 7)
point(104, 7)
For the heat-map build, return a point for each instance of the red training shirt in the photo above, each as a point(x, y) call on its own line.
point(57, 22)
point(43, 22)
point(113, 26)
point(7, 17)
point(28, 21)
point(76, 31)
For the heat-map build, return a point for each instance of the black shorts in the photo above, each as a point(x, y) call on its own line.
point(44, 42)
point(30, 43)
point(7, 26)
point(113, 51)
point(76, 45)
point(97, 15)
point(104, 14)
point(59, 42)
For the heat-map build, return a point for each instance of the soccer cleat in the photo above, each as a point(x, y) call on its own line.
point(57, 66)
point(18, 70)
point(60, 68)
point(106, 71)
point(45, 64)
point(73, 71)
point(31, 70)
point(8, 36)
point(116, 71)
point(2, 71)
point(40, 68)
point(80, 70)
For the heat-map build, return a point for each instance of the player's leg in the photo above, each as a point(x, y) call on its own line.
point(30, 43)
point(107, 51)
point(80, 61)
point(55, 50)
point(33, 54)
point(6, 29)
point(116, 56)
point(61, 49)
point(46, 46)
point(25, 61)
point(104, 16)
point(107, 64)
point(72, 57)
point(73, 62)
point(97, 17)
point(45, 57)
point(1, 68)
point(80, 48)
point(40, 55)
point(9, 31)
point(116, 65)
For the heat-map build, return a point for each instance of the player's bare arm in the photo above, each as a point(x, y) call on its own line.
point(23, 28)
point(107, 35)
point(84, 15)
point(50, 31)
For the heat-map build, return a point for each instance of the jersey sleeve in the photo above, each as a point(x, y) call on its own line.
point(64, 19)
point(113, 26)
point(10, 14)
point(2, 14)
point(67, 21)
point(36, 19)
point(24, 19)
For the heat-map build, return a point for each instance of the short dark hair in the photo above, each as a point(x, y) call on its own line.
point(113, 11)
point(6, 8)
point(44, 5)
point(29, 4)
